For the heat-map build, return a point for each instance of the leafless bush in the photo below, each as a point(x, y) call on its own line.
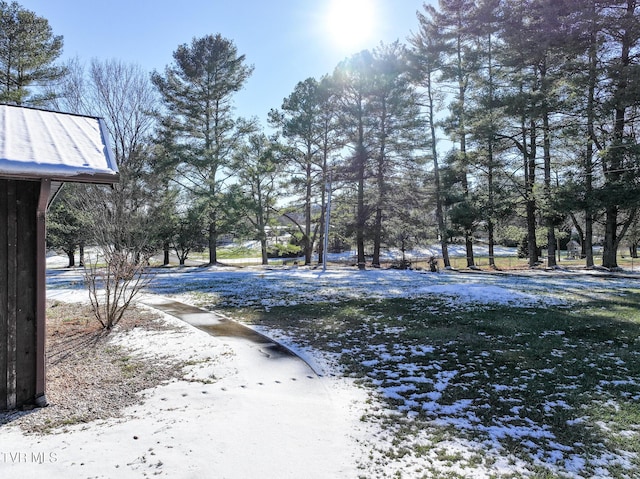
point(113, 279)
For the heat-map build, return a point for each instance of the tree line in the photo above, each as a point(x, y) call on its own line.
point(510, 121)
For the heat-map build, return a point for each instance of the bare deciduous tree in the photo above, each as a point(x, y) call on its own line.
point(121, 217)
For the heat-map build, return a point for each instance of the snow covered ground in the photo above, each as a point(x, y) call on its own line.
point(234, 415)
point(289, 286)
point(253, 422)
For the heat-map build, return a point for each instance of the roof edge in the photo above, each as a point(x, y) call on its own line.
point(96, 178)
point(37, 144)
point(49, 110)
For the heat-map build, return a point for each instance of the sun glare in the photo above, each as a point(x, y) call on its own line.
point(351, 24)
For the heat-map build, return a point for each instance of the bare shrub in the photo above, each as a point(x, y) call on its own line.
point(113, 280)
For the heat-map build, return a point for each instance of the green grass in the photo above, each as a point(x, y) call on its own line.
point(513, 262)
point(543, 385)
point(236, 252)
point(457, 262)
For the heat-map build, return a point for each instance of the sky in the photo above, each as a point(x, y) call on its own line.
point(287, 41)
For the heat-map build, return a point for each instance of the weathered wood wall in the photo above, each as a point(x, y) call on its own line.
point(18, 291)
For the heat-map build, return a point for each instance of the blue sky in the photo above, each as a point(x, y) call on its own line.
point(286, 40)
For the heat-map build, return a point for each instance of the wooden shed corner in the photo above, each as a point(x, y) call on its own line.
point(39, 151)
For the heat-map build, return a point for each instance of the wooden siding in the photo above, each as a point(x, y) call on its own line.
point(18, 291)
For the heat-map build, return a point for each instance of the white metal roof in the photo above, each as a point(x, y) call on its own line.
point(38, 144)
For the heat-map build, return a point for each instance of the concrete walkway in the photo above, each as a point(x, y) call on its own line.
point(246, 408)
point(239, 335)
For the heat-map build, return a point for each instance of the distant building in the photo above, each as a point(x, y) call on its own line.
point(574, 250)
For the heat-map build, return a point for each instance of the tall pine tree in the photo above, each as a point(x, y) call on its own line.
point(197, 91)
point(28, 51)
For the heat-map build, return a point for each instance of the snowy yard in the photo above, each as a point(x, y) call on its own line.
point(471, 375)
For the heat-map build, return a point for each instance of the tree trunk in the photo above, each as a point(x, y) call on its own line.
point(551, 244)
point(361, 214)
point(468, 243)
point(81, 262)
point(442, 229)
point(581, 235)
point(491, 234)
point(380, 183)
point(213, 241)
point(491, 215)
point(72, 259)
point(610, 247)
point(377, 227)
point(587, 245)
point(377, 238)
point(531, 233)
point(530, 177)
point(323, 215)
point(308, 243)
point(166, 260)
point(263, 248)
point(546, 145)
point(360, 223)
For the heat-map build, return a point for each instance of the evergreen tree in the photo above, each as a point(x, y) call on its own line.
point(28, 51)
point(486, 121)
point(520, 97)
point(619, 193)
point(424, 66)
point(259, 167)
point(582, 119)
point(397, 132)
point(453, 22)
point(353, 78)
point(197, 91)
point(301, 122)
point(66, 225)
point(329, 142)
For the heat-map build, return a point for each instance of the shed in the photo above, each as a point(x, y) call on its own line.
point(573, 249)
point(39, 151)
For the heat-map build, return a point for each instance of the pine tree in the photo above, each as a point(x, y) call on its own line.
point(453, 24)
point(520, 97)
point(301, 123)
point(397, 133)
point(328, 142)
point(486, 120)
point(259, 168)
point(67, 227)
point(197, 92)
point(425, 63)
point(353, 78)
point(619, 192)
point(28, 51)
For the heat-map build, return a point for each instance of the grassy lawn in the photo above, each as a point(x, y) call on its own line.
point(236, 252)
point(483, 391)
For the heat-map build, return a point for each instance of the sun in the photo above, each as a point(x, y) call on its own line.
point(351, 24)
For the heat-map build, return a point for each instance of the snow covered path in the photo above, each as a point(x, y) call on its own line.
point(236, 414)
